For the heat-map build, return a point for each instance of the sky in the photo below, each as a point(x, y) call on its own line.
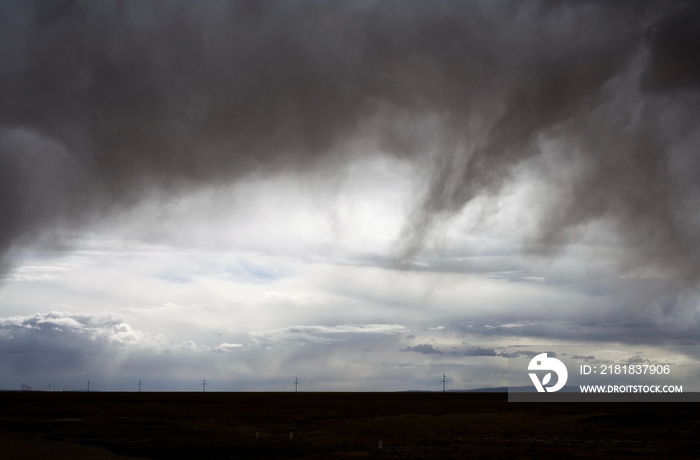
point(364, 195)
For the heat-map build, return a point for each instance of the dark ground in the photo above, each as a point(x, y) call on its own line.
point(337, 425)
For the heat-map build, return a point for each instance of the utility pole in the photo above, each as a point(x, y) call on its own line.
point(444, 381)
point(139, 386)
point(88, 386)
point(296, 385)
point(49, 386)
point(204, 385)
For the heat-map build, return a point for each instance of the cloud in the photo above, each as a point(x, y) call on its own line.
point(294, 299)
point(526, 353)
point(582, 357)
point(93, 327)
point(31, 273)
point(104, 105)
point(327, 334)
point(423, 348)
point(637, 358)
point(68, 347)
point(478, 351)
point(631, 327)
point(62, 343)
point(185, 347)
point(348, 328)
point(226, 347)
point(675, 60)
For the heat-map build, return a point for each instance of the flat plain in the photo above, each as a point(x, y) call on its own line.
point(99, 425)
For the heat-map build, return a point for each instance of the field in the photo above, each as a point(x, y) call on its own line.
point(37, 425)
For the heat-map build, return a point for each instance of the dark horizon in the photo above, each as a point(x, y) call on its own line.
point(371, 425)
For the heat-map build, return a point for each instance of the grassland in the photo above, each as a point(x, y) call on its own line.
point(337, 425)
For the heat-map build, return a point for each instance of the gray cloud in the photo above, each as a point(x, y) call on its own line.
point(526, 353)
point(328, 334)
point(104, 103)
point(637, 358)
point(629, 330)
point(63, 344)
point(478, 351)
point(675, 62)
point(423, 348)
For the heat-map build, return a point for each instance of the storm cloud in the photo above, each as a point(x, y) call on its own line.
point(104, 104)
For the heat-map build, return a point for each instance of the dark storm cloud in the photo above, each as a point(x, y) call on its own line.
point(675, 46)
point(103, 103)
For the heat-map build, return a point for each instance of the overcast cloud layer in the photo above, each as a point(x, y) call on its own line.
point(343, 175)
